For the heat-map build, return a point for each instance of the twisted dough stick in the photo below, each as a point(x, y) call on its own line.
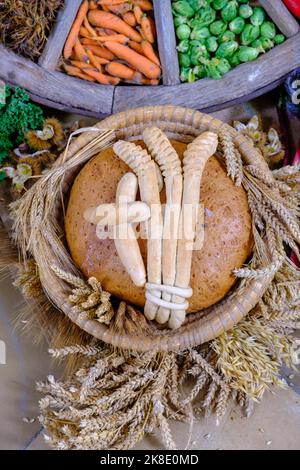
point(166, 156)
point(140, 162)
point(195, 159)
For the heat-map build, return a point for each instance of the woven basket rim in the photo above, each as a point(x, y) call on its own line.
point(182, 124)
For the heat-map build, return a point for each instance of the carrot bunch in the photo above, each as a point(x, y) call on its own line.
point(113, 40)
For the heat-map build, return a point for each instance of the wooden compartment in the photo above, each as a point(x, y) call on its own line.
point(50, 86)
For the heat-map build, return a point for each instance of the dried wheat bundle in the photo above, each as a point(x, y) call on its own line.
point(232, 156)
point(116, 397)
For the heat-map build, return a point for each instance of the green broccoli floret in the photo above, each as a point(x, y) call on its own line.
point(17, 116)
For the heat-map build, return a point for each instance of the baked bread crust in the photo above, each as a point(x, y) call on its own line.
point(228, 233)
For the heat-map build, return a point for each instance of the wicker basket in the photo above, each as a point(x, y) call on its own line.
point(181, 124)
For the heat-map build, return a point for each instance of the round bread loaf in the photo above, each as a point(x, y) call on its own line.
point(228, 234)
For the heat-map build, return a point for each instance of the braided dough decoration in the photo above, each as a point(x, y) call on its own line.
point(166, 156)
point(141, 163)
point(195, 158)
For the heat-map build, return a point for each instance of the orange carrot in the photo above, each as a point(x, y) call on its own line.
point(136, 46)
point(75, 72)
point(89, 28)
point(147, 29)
point(137, 61)
point(153, 28)
point(148, 51)
point(120, 70)
point(110, 2)
point(80, 52)
point(73, 35)
point(129, 18)
point(92, 5)
point(83, 32)
point(143, 4)
point(101, 78)
point(108, 20)
point(93, 60)
point(114, 37)
point(147, 81)
point(94, 40)
point(105, 31)
point(81, 65)
point(119, 9)
point(100, 52)
point(99, 61)
point(138, 14)
point(88, 42)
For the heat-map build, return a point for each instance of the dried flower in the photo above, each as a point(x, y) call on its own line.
point(18, 175)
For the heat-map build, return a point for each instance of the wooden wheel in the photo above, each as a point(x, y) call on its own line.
point(47, 85)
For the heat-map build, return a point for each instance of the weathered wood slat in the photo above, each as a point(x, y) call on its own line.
point(53, 49)
point(55, 86)
point(71, 94)
point(281, 17)
point(166, 41)
point(206, 93)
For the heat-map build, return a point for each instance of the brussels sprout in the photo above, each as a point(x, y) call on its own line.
point(183, 46)
point(195, 22)
point(247, 54)
point(184, 60)
point(226, 37)
point(279, 38)
point(227, 49)
point(249, 34)
point(268, 30)
point(258, 16)
point(237, 25)
point(217, 68)
point(199, 55)
point(191, 76)
point(183, 31)
point(212, 44)
point(197, 4)
point(245, 11)
point(184, 74)
point(219, 4)
point(197, 42)
point(267, 43)
point(218, 27)
point(178, 20)
point(224, 66)
point(230, 11)
point(200, 71)
point(234, 60)
point(183, 8)
point(204, 17)
point(201, 33)
point(258, 44)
